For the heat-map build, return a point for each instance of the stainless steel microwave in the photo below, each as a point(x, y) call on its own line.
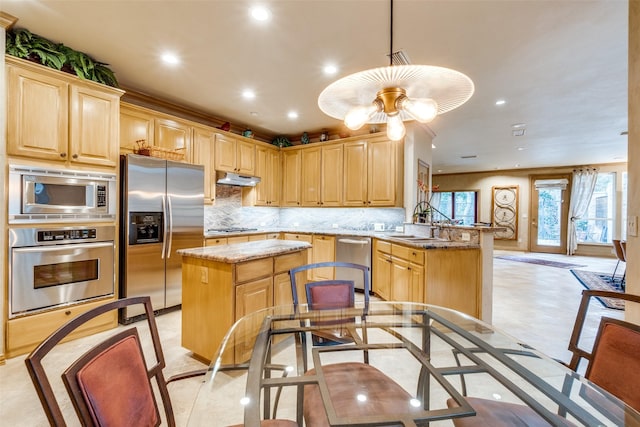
point(39, 194)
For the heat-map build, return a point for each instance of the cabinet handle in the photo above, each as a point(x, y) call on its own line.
point(68, 312)
point(409, 268)
point(63, 155)
point(75, 156)
point(413, 253)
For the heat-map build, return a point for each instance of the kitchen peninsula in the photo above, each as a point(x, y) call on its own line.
point(221, 284)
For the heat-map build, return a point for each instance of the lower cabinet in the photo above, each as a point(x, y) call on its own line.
point(398, 272)
point(25, 333)
point(324, 250)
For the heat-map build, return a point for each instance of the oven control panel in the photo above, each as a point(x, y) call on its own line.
point(66, 234)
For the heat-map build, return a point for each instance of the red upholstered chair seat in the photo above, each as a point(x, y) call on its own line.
point(491, 413)
point(273, 423)
point(345, 381)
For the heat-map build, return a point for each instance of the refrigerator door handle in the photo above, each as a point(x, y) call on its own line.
point(164, 228)
point(170, 211)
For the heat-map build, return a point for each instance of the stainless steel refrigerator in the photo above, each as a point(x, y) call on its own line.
point(161, 211)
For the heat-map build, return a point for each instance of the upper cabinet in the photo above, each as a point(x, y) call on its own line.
point(58, 117)
point(173, 135)
point(373, 171)
point(321, 185)
point(268, 168)
point(291, 170)
point(235, 155)
point(202, 153)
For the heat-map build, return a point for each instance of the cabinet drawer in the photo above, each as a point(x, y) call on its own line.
point(237, 239)
point(383, 246)
point(254, 269)
point(216, 241)
point(301, 237)
point(286, 262)
point(23, 334)
point(411, 254)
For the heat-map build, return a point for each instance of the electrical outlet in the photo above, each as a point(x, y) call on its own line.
point(204, 275)
point(334, 226)
point(632, 225)
point(378, 226)
point(465, 237)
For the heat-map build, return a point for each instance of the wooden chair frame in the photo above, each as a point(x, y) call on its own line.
point(43, 385)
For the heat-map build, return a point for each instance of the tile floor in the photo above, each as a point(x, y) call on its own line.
point(533, 303)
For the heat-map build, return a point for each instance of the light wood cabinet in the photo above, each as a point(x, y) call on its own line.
point(291, 173)
point(321, 185)
point(25, 333)
point(267, 191)
point(398, 272)
point(234, 155)
point(172, 134)
point(215, 241)
point(251, 297)
point(136, 124)
point(373, 172)
point(58, 117)
point(202, 153)
point(324, 250)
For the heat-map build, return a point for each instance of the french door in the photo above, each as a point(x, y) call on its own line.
point(549, 213)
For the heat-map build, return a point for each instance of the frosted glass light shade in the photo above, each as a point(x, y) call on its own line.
point(423, 110)
point(395, 128)
point(358, 116)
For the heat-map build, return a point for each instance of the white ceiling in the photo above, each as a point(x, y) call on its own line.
point(561, 65)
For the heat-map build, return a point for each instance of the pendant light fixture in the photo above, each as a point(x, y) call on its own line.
point(395, 94)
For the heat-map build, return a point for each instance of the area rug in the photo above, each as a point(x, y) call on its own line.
point(538, 261)
point(603, 282)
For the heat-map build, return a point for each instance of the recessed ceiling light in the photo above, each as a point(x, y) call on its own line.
point(501, 102)
point(518, 125)
point(248, 94)
point(170, 58)
point(439, 170)
point(292, 115)
point(260, 13)
point(433, 146)
point(521, 148)
point(330, 69)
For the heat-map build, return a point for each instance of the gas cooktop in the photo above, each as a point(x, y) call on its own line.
point(229, 230)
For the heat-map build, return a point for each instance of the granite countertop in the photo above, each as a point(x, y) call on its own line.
point(246, 251)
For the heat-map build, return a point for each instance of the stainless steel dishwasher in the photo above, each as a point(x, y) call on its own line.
point(356, 250)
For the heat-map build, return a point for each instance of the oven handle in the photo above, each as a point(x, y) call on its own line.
point(164, 227)
point(170, 209)
point(58, 248)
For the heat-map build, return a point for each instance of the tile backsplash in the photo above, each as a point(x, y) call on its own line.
point(229, 212)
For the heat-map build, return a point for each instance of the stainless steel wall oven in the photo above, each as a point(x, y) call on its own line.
point(54, 267)
point(55, 195)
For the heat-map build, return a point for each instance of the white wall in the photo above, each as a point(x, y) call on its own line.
point(417, 146)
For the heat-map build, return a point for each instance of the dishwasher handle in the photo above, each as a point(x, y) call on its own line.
point(354, 241)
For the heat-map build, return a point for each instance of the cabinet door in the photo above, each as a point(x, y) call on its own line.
point(311, 162)
point(331, 178)
point(268, 169)
point(400, 280)
point(202, 154)
point(324, 249)
point(382, 275)
point(173, 135)
point(135, 125)
point(381, 186)
point(275, 168)
point(355, 174)
point(95, 129)
point(37, 122)
point(225, 154)
point(291, 177)
point(245, 157)
point(417, 283)
point(251, 297)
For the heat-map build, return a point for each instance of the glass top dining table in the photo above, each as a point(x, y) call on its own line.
point(386, 363)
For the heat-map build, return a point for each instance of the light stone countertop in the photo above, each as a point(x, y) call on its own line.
point(246, 251)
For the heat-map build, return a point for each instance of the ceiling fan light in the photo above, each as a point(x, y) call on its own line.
point(395, 128)
point(423, 110)
point(358, 116)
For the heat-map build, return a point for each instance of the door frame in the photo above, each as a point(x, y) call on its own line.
point(533, 214)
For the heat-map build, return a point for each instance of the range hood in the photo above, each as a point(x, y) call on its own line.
point(230, 178)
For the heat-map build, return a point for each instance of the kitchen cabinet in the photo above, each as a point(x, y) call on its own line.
point(323, 250)
point(398, 272)
point(291, 173)
point(25, 333)
point(215, 241)
point(267, 191)
point(202, 153)
point(373, 172)
point(57, 117)
point(234, 155)
point(172, 134)
point(321, 185)
point(136, 124)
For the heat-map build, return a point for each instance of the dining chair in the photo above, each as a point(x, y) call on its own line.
point(111, 383)
point(620, 253)
point(613, 365)
point(296, 283)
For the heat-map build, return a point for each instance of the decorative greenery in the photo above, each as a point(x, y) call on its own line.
point(281, 141)
point(24, 44)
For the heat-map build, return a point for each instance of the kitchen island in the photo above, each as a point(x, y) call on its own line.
point(221, 284)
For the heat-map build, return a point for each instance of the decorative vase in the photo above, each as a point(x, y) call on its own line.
point(305, 138)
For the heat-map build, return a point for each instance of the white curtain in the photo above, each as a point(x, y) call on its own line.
point(584, 182)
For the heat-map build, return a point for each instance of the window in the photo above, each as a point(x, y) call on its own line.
point(597, 224)
point(460, 206)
